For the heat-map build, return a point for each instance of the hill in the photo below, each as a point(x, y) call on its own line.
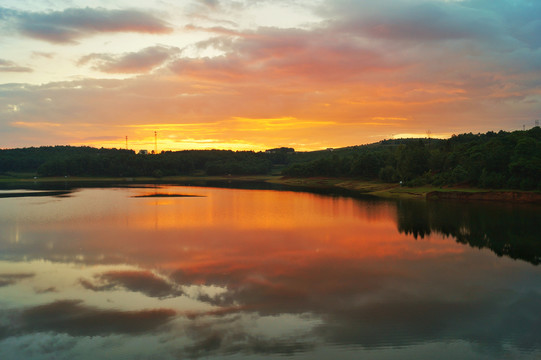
point(510, 160)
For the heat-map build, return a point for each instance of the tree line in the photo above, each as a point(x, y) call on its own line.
point(491, 160)
point(87, 161)
point(512, 232)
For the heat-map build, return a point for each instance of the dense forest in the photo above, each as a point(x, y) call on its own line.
point(87, 161)
point(492, 160)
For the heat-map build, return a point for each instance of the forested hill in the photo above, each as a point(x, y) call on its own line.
point(493, 160)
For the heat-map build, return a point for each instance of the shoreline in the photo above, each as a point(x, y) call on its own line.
point(356, 186)
point(428, 192)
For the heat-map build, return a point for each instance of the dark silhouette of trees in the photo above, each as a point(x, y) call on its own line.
point(86, 161)
point(506, 230)
point(509, 160)
point(412, 160)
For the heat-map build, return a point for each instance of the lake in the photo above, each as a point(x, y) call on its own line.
point(175, 272)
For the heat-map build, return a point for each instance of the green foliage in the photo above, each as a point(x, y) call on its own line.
point(458, 175)
point(86, 161)
point(388, 174)
point(367, 164)
point(492, 160)
point(412, 160)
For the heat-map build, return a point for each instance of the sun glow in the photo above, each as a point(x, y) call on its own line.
point(308, 74)
point(238, 133)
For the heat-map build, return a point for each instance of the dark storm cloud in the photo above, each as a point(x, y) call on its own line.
point(64, 27)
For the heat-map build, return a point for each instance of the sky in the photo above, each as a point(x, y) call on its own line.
point(259, 74)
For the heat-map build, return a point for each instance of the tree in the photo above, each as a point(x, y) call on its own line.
point(412, 160)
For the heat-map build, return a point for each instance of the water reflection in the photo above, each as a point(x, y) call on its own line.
point(507, 230)
point(104, 273)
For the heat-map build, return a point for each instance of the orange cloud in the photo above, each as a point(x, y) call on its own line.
point(334, 83)
point(34, 124)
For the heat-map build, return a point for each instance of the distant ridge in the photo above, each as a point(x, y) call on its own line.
point(510, 160)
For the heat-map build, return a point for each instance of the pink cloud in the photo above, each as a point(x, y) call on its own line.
point(432, 67)
point(286, 54)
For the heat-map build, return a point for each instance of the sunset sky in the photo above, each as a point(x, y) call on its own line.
point(257, 74)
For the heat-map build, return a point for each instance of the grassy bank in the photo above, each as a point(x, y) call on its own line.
point(397, 191)
point(385, 190)
point(373, 188)
point(360, 186)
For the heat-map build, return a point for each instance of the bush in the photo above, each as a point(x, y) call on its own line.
point(459, 175)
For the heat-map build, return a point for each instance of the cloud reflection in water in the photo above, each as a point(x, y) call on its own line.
point(259, 272)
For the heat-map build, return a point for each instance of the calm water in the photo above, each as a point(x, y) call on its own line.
point(241, 274)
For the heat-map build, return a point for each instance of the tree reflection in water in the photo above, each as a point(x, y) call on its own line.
point(507, 230)
point(246, 274)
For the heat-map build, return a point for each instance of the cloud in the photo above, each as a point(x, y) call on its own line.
point(43, 54)
point(518, 20)
point(211, 3)
point(367, 284)
point(487, 322)
point(10, 279)
point(67, 26)
point(73, 318)
point(417, 21)
point(482, 26)
point(134, 62)
point(451, 67)
point(144, 282)
point(216, 339)
point(269, 55)
point(10, 66)
point(366, 303)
